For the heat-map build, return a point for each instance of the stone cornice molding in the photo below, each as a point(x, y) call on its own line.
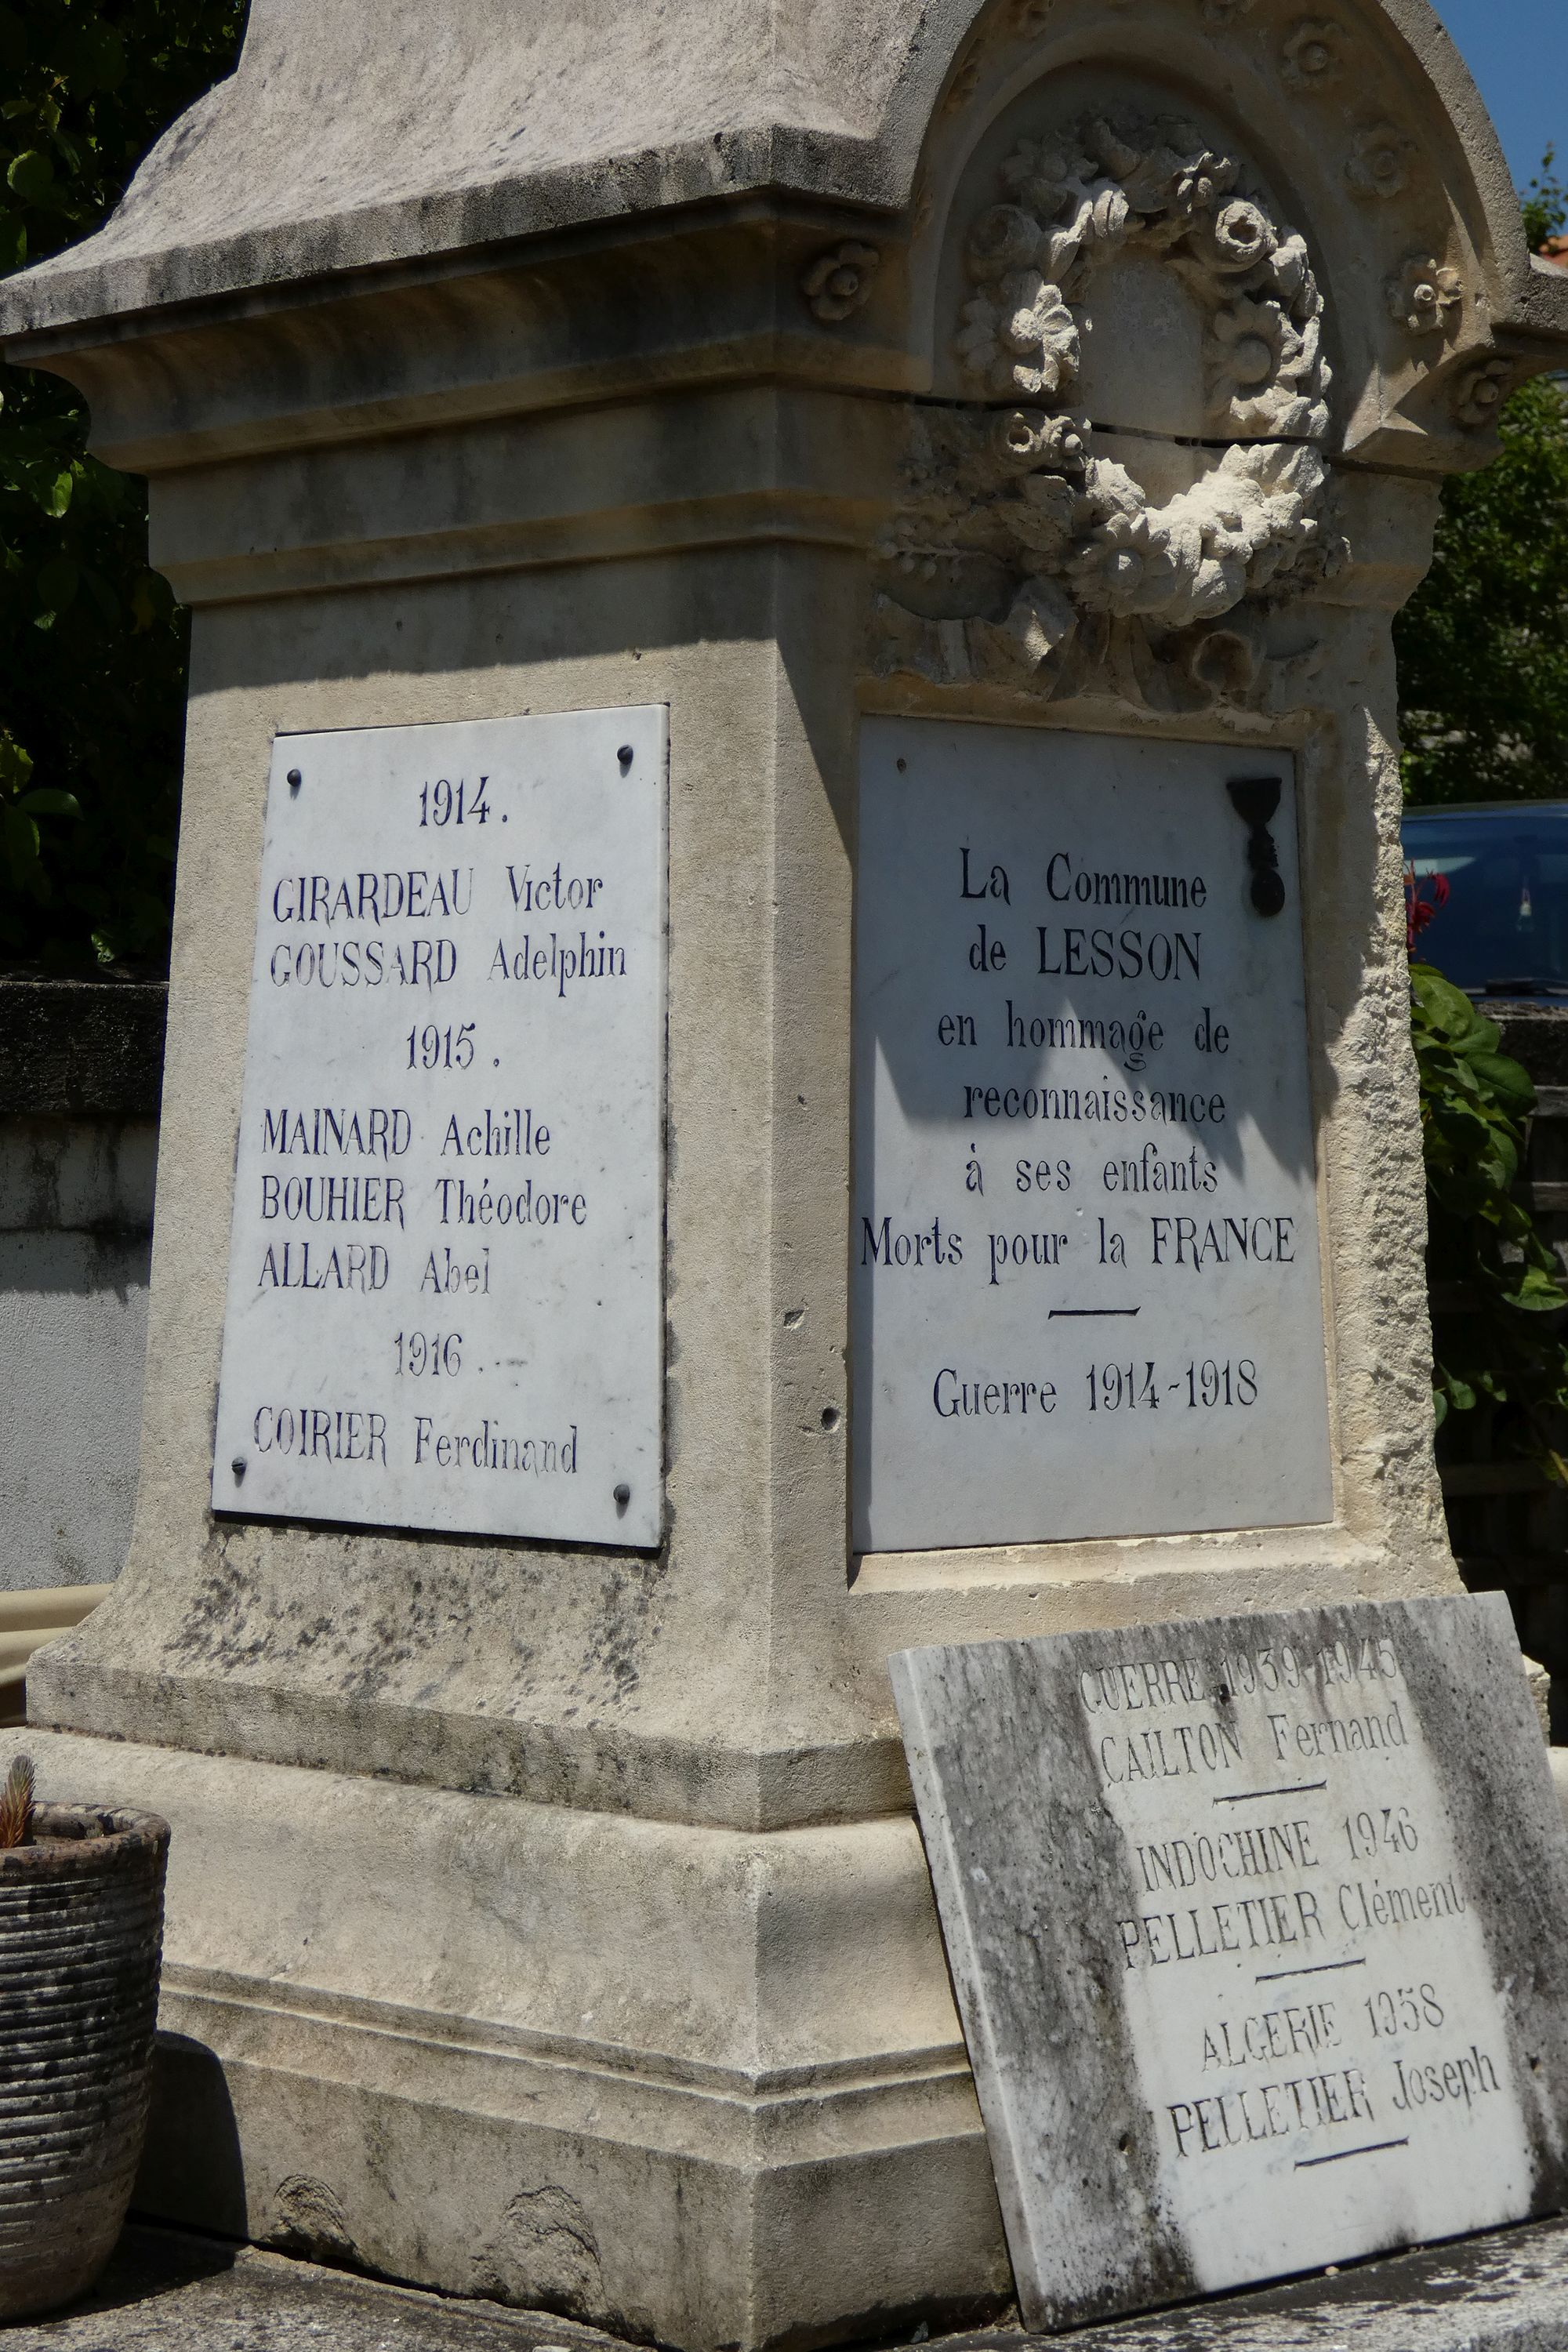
point(358, 136)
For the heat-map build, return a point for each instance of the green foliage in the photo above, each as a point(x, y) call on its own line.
point(20, 808)
point(93, 647)
point(1483, 675)
point(1546, 205)
point(1483, 644)
point(1474, 1104)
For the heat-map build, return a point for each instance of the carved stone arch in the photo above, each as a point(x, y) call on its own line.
point(1134, 415)
point(1377, 147)
point(1148, 347)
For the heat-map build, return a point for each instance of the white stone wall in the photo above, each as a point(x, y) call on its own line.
point(76, 1222)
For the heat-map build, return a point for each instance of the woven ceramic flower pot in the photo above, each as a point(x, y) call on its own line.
point(81, 1917)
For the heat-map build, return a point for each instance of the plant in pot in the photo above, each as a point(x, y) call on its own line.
point(81, 1917)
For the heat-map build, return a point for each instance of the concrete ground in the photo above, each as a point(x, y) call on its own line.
point(1508, 2292)
point(186, 2294)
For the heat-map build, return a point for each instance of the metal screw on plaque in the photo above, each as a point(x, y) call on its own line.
point(1256, 800)
point(295, 780)
point(622, 1496)
point(625, 755)
point(237, 1466)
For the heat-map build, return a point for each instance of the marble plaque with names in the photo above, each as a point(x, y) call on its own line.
point(1084, 1247)
point(1259, 1933)
point(445, 1298)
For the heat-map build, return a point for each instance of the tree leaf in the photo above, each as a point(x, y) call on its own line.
point(16, 762)
point(1445, 1008)
point(1507, 1080)
point(20, 837)
point(31, 175)
point(1537, 1293)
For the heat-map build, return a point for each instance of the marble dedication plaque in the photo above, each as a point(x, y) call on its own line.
point(444, 1297)
point(1084, 1241)
point(1260, 1932)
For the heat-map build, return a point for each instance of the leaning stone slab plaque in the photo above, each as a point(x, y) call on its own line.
point(1086, 1290)
point(444, 1296)
point(1259, 1933)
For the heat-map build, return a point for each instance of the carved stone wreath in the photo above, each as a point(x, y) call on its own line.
point(1012, 522)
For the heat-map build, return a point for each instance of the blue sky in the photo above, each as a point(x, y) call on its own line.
point(1518, 52)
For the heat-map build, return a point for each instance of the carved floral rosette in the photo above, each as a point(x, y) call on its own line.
point(1021, 553)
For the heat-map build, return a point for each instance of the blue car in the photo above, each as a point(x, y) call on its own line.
point(1488, 892)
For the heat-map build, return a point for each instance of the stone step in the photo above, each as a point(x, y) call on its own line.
point(1506, 2292)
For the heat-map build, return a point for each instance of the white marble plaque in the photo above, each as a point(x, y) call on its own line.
point(445, 1295)
point(1259, 1933)
point(1087, 1296)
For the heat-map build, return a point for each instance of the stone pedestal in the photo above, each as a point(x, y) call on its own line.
point(548, 1921)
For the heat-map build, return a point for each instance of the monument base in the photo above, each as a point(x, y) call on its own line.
point(688, 2083)
point(1508, 2292)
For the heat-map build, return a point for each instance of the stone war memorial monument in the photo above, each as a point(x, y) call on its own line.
point(789, 1045)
